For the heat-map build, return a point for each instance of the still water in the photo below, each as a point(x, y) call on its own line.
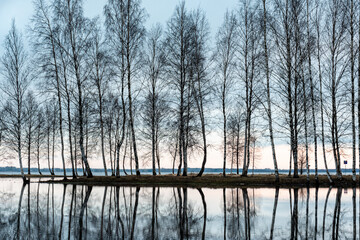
point(56, 211)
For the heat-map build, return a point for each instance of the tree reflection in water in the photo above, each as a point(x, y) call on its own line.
point(54, 211)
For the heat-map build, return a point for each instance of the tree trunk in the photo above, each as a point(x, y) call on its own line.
point(153, 142)
point(38, 150)
point(19, 133)
point(224, 121)
point(70, 134)
point(29, 148)
point(358, 99)
point(125, 149)
point(48, 146)
point(175, 152)
point(237, 145)
point(75, 156)
point(110, 148)
point(289, 174)
point(180, 152)
point(247, 118)
point(158, 155)
point(321, 103)
point(128, 60)
point(102, 129)
point(268, 94)
point(74, 56)
point(306, 131)
point(352, 70)
point(312, 92)
point(199, 103)
point(59, 101)
point(53, 145)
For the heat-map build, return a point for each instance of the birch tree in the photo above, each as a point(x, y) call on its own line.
point(124, 21)
point(76, 31)
point(319, 53)
point(30, 114)
point(200, 80)
point(268, 110)
point(15, 69)
point(44, 42)
point(249, 56)
point(178, 48)
point(100, 79)
point(226, 46)
point(154, 104)
point(336, 65)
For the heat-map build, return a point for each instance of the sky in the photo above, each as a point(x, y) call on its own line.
point(159, 11)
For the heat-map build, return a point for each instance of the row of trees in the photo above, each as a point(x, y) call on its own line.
point(284, 68)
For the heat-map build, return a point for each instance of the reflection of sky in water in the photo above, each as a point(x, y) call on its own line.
point(258, 207)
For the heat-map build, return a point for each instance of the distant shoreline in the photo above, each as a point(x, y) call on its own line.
point(59, 171)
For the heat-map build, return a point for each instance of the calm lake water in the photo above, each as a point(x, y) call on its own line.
point(56, 211)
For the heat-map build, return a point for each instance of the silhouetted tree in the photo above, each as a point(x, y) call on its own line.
point(16, 72)
point(178, 49)
point(155, 105)
point(226, 46)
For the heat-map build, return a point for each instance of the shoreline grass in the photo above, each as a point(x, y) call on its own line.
point(207, 180)
point(210, 180)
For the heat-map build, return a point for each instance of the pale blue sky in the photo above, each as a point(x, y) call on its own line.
point(159, 11)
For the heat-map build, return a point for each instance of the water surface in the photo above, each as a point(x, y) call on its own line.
point(56, 211)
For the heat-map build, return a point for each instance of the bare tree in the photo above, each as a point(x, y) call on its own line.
point(336, 64)
point(310, 46)
point(283, 39)
point(352, 77)
point(115, 29)
point(67, 86)
point(268, 110)
point(302, 158)
point(45, 46)
point(358, 86)
point(178, 51)
point(318, 56)
point(125, 20)
point(109, 115)
point(119, 115)
point(76, 31)
point(235, 128)
point(39, 135)
point(48, 123)
point(250, 53)
point(17, 78)
point(100, 77)
point(199, 73)
point(226, 46)
point(154, 102)
point(30, 113)
point(52, 127)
